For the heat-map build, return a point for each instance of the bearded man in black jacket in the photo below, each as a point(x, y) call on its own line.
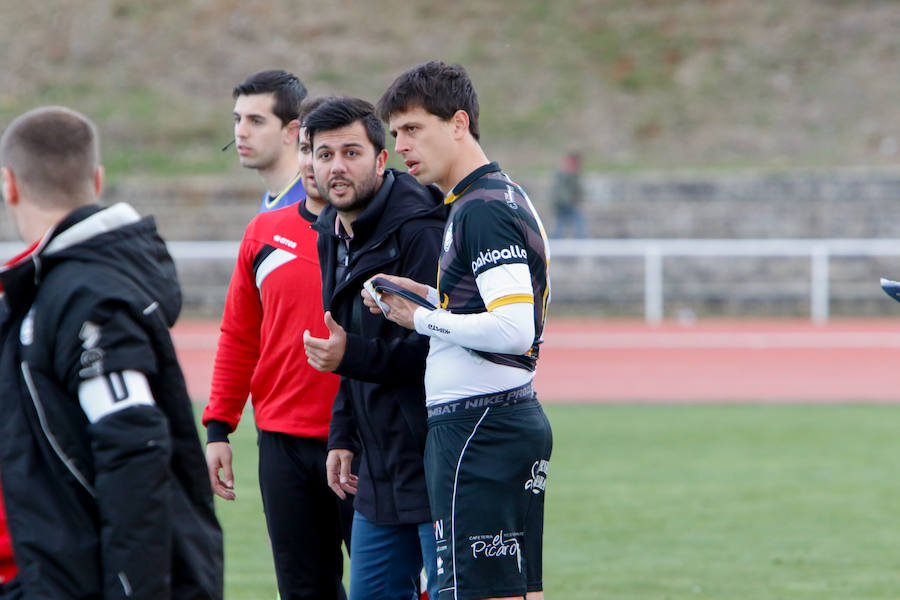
point(378, 220)
point(104, 479)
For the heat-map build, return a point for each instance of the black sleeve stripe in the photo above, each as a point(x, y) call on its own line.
point(263, 253)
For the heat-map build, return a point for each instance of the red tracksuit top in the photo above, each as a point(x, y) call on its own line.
point(274, 295)
point(7, 566)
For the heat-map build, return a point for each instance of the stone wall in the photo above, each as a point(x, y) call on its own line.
point(849, 203)
point(840, 204)
point(808, 204)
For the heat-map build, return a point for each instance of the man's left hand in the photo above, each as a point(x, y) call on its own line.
point(326, 354)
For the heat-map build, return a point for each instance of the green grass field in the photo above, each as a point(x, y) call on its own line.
point(675, 502)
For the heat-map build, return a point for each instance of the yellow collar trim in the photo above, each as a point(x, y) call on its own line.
point(274, 201)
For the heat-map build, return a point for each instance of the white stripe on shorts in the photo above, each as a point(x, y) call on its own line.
point(453, 501)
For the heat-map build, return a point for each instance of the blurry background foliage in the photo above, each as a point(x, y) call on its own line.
point(635, 84)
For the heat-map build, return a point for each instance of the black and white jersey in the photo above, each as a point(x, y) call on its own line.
point(494, 256)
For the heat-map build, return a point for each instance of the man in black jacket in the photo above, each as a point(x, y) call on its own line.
point(378, 220)
point(104, 479)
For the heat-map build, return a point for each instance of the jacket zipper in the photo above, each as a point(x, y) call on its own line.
point(42, 417)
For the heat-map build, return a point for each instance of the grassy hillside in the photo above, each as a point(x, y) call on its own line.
point(637, 84)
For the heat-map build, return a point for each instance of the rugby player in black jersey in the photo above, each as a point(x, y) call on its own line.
point(489, 442)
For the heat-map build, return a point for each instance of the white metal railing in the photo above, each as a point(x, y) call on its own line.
point(653, 251)
point(200, 250)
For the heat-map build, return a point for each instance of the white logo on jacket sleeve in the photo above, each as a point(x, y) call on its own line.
point(492, 257)
point(92, 357)
point(89, 334)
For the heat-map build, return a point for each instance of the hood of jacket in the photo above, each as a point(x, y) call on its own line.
point(116, 236)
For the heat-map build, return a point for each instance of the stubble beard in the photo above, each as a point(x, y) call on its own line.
point(362, 194)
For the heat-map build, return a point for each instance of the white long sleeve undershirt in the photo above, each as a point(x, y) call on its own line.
point(507, 328)
point(453, 371)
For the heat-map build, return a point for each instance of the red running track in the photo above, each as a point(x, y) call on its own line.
point(707, 361)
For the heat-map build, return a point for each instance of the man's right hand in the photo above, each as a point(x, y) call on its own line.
point(340, 479)
point(218, 456)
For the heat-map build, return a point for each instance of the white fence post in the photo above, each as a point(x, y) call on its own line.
point(653, 284)
point(819, 295)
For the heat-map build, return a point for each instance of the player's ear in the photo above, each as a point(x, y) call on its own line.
point(99, 177)
point(292, 132)
point(460, 123)
point(9, 186)
point(381, 162)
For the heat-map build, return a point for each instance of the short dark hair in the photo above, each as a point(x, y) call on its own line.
point(311, 104)
point(439, 88)
point(289, 91)
point(54, 152)
point(334, 113)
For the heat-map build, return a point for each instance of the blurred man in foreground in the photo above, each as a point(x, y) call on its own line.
point(104, 481)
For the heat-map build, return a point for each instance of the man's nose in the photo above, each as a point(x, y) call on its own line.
point(401, 146)
point(240, 128)
point(338, 165)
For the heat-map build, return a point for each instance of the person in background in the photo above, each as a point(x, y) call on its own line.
point(489, 441)
point(103, 477)
point(567, 197)
point(378, 219)
point(266, 133)
point(274, 295)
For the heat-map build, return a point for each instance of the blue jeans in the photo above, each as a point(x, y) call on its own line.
point(385, 560)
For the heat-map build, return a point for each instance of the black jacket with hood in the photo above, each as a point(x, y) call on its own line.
point(120, 507)
point(380, 404)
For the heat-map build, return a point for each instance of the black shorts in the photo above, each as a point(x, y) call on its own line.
point(486, 469)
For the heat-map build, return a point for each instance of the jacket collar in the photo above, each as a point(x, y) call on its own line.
point(21, 275)
point(89, 221)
